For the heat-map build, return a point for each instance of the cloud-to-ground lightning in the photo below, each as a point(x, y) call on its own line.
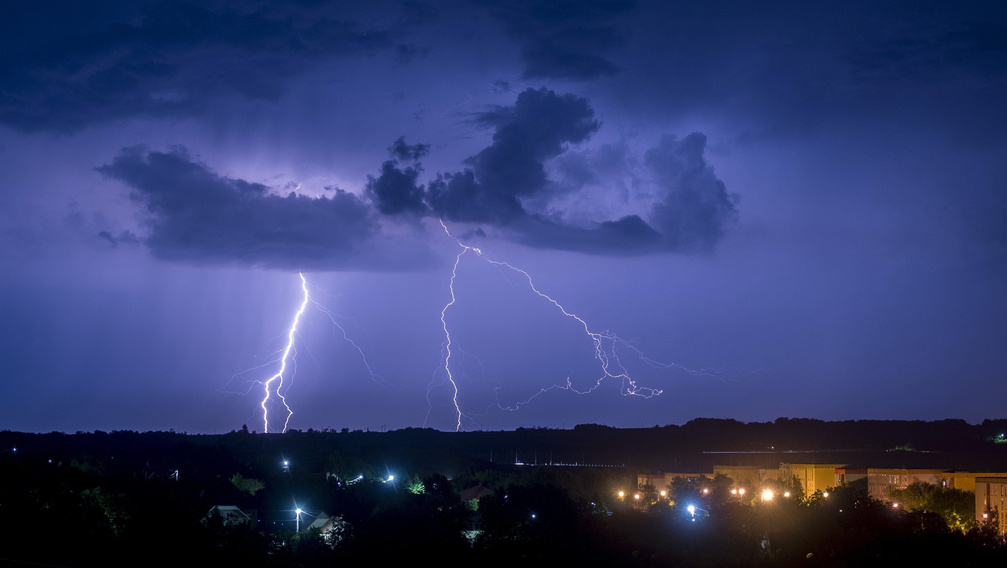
point(606, 344)
point(288, 354)
point(447, 333)
point(279, 384)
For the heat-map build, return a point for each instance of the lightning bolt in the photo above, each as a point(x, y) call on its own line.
point(447, 335)
point(288, 354)
point(606, 344)
point(278, 385)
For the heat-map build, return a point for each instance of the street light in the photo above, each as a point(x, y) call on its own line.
point(767, 494)
point(692, 511)
point(298, 511)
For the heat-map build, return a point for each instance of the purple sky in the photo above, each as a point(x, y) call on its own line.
point(785, 210)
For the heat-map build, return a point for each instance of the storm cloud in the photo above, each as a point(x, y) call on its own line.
point(395, 190)
point(691, 210)
point(695, 206)
point(537, 128)
point(164, 59)
point(194, 215)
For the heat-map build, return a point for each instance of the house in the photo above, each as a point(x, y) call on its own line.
point(230, 515)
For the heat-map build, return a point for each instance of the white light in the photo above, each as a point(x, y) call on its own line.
point(691, 509)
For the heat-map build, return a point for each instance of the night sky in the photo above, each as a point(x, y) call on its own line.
point(761, 209)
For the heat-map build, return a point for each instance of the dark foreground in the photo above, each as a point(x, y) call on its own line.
point(125, 498)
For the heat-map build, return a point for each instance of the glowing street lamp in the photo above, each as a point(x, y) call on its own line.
point(767, 495)
point(298, 511)
point(692, 511)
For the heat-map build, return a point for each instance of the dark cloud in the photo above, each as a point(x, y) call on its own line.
point(407, 153)
point(537, 128)
point(564, 39)
point(395, 190)
point(694, 207)
point(162, 59)
point(194, 215)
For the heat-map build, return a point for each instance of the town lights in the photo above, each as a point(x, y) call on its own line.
point(767, 494)
point(622, 494)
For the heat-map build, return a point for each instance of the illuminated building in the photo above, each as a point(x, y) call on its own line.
point(812, 476)
point(881, 482)
point(991, 497)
